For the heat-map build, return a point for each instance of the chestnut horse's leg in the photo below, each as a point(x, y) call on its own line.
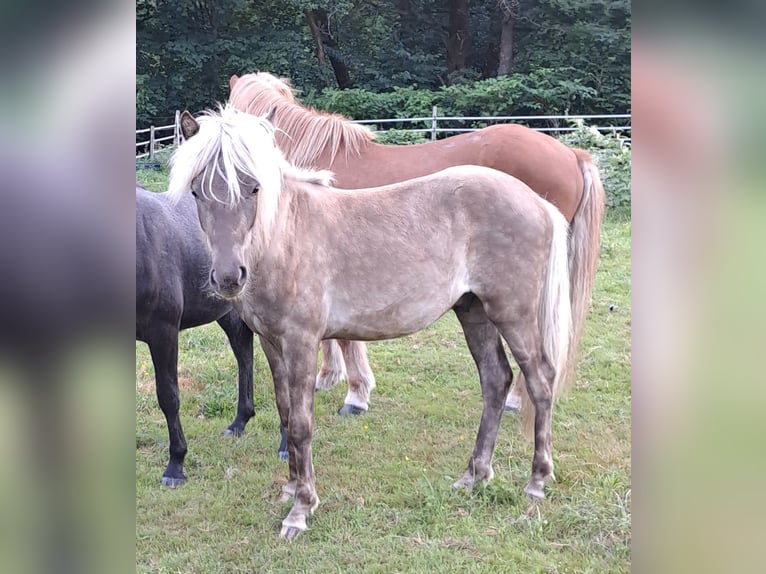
point(513, 402)
point(333, 369)
point(361, 381)
point(163, 345)
point(293, 365)
point(241, 340)
point(495, 376)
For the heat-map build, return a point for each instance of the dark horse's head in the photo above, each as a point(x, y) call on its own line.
point(229, 162)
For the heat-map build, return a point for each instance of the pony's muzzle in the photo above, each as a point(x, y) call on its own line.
point(229, 284)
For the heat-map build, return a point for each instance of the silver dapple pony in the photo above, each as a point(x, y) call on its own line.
point(468, 238)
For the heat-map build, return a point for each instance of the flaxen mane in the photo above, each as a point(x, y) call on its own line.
point(261, 93)
point(233, 144)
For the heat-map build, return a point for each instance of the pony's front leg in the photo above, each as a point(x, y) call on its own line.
point(361, 381)
point(282, 394)
point(300, 360)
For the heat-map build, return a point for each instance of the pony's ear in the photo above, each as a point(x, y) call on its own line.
point(189, 125)
point(233, 80)
point(269, 117)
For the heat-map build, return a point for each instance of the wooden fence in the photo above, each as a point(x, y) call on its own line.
point(147, 148)
point(615, 123)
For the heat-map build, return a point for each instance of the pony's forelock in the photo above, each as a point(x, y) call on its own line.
point(232, 144)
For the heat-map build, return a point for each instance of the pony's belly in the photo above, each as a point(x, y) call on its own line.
point(392, 321)
point(395, 307)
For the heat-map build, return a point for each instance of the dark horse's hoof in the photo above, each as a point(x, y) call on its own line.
point(351, 410)
point(171, 482)
point(233, 431)
point(283, 455)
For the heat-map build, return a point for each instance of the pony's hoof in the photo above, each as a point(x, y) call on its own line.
point(283, 455)
point(534, 491)
point(351, 410)
point(171, 482)
point(233, 431)
point(289, 533)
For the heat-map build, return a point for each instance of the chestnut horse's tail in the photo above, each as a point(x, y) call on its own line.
point(584, 246)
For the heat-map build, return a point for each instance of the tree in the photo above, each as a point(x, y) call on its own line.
point(319, 24)
point(505, 58)
point(458, 35)
point(187, 49)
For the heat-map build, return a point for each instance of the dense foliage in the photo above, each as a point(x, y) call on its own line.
point(389, 58)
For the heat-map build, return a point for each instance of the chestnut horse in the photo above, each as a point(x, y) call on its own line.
point(566, 177)
point(468, 238)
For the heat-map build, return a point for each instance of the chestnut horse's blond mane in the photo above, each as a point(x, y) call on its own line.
point(262, 93)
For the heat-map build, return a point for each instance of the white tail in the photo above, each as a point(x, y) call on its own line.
point(555, 314)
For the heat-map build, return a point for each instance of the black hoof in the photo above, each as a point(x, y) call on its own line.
point(283, 455)
point(173, 482)
point(351, 410)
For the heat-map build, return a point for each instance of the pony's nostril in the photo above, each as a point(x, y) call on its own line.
point(212, 277)
point(242, 275)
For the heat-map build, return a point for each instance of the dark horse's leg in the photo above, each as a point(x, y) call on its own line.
point(163, 345)
point(495, 376)
point(241, 340)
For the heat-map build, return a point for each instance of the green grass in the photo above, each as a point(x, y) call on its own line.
point(384, 478)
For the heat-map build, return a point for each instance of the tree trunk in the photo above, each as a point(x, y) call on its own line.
point(326, 45)
point(316, 34)
point(457, 35)
point(505, 60)
point(493, 42)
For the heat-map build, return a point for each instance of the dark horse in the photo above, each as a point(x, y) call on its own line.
point(172, 294)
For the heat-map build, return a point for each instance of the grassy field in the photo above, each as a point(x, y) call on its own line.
point(384, 478)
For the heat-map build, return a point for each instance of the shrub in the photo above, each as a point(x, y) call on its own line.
point(401, 137)
point(613, 157)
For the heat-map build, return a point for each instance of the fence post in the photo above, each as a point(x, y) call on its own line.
point(151, 143)
point(177, 129)
point(433, 123)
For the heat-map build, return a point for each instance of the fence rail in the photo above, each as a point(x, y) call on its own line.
point(150, 145)
point(551, 124)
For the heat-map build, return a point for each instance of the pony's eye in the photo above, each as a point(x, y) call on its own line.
point(256, 189)
point(194, 193)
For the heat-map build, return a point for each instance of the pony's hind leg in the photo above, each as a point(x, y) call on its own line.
point(495, 376)
point(241, 341)
point(333, 369)
point(525, 344)
point(361, 381)
point(163, 346)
